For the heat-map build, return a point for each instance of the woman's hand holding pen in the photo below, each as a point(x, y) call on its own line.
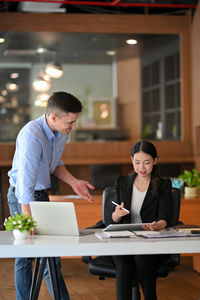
point(119, 212)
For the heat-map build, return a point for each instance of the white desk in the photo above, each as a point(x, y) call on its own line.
point(49, 247)
point(52, 246)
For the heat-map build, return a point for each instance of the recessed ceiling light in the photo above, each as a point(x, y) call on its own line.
point(41, 50)
point(131, 42)
point(12, 87)
point(111, 52)
point(4, 92)
point(2, 40)
point(14, 75)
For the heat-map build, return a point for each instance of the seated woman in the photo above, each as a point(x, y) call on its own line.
point(148, 198)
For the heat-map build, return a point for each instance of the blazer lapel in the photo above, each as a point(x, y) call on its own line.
point(148, 197)
point(127, 191)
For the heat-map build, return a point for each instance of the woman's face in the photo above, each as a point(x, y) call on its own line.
point(143, 163)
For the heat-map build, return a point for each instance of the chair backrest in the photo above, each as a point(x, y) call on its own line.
point(102, 176)
point(174, 219)
point(109, 195)
point(107, 206)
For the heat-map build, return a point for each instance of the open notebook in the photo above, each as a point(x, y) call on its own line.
point(56, 218)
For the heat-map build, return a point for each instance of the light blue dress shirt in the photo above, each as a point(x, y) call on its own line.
point(38, 152)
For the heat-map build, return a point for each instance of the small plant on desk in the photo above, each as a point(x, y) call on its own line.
point(22, 222)
point(191, 181)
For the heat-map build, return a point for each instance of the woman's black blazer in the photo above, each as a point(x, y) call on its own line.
point(155, 207)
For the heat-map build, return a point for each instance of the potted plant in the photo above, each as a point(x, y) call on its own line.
point(21, 225)
point(191, 181)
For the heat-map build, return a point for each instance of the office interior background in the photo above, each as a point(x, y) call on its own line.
point(147, 89)
point(144, 90)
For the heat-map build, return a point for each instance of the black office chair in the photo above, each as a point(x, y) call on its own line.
point(103, 266)
point(54, 185)
point(102, 175)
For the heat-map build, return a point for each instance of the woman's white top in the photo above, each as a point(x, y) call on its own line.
point(136, 204)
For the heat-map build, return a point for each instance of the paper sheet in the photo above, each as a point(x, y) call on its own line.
point(115, 234)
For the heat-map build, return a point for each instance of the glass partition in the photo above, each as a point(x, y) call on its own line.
point(87, 65)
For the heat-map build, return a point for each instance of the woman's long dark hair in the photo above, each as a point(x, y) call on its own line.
point(149, 148)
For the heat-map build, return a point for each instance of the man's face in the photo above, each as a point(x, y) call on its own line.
point(64, 123)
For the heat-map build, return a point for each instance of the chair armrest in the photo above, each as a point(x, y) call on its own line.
point(99, 224)
point(174, 260)
point(167, 264)
point(86, 259)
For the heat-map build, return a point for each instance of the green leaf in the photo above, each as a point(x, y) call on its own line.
point(191, 178)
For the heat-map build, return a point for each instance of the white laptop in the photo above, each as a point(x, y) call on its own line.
point(56, 218)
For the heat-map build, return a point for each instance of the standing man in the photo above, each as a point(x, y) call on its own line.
point(39, 147)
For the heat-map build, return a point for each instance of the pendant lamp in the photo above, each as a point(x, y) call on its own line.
point(41, 85)
point(12, 87)
point(54, 70)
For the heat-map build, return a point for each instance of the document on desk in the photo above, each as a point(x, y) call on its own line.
point(115, 234)
point(163, 234)
point(188, 228)
point(72, 197)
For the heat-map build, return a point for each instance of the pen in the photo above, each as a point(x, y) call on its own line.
point(121, 207)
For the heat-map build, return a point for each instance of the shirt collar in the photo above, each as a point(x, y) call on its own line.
point(49, 133)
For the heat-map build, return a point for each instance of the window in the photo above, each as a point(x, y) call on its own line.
point(161, 105)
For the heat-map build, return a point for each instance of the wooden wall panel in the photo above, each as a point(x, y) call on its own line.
point(93, 23)
point(6, 153)
point(189, 214)
point(86, 153)
point(129, 97)
point(195, 43)
point(131, 120)
point(128, 74)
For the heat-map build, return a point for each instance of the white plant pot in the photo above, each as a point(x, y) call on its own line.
point(190, 192)
point(20, 235)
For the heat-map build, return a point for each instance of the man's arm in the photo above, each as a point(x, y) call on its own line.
point(80, 187)
point(26, 209)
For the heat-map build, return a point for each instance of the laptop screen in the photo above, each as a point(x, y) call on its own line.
point(55, 218)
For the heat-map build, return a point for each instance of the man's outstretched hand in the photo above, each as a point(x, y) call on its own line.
point(81, 188)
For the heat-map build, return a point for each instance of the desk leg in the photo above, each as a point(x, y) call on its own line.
point(53, 277)
point(34, 280)
point(37, 278)
point(38, 274)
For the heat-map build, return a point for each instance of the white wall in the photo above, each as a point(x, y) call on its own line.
point(83, 81)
